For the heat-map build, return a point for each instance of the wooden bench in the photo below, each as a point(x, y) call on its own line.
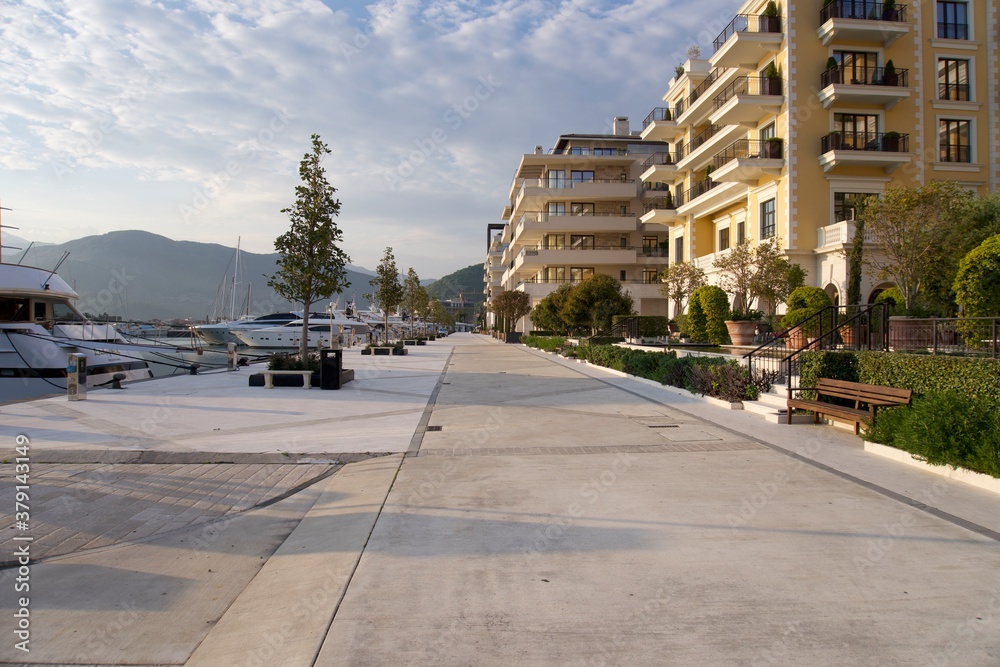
point(269, 378)
point(867, 399)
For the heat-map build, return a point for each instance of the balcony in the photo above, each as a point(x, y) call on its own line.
point(536, 192)
point(535, 224)
point(698, 105)
point(862, 21)
point(838, 236)
point(864, 85)
point(888, 150)
point(661, 125)
point(746, 100)
point(746, 40)
point(749, 160)
point(659, 168)
point(652, 256)
point(662, 210)
point(539, 256)
point(700, 150)
point(710, 195)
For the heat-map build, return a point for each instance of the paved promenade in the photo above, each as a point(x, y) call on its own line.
point(479, 503)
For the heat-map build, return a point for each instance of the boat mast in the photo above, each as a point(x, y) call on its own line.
point(236, 271)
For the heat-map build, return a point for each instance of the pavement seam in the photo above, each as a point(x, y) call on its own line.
point(425, 417)
point(871, 486)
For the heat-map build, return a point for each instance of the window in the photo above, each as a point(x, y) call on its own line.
point(556, 179)
point(556, 208)
point(724, 239)
point(577, 208)
point(679, 249)
point(621, 275)
point(649, 246)
point(554, 242)
point(847, 204)
point(581, 241)
point(741, 232)
point(649, 276)
point(766, 132)
point(623, 243)
point(953, 140)
point(857, 131)
point(953, 79)
point(579, 176)
point(953, 20)
point(578, 273)
point(858, 67)
point(768, 219)
point(555, 274)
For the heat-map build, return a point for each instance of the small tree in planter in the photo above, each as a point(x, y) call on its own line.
point(832, 70)
point(890, 13)
point(388, 291)
point(889, 75)
point(772, 79)
point(770, 18)
point(890, 142)
point(510, 306)
point(680, 280)
point(803, 303)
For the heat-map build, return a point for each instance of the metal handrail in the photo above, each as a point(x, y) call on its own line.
point(865, 76)
point(891, 142)
point(659, 158)
point(862, 9)
point(699, 139)
point(752, 84)
point(659, 114)
point(755, 148)
point(747, 23)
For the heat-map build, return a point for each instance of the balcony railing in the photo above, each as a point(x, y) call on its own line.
point(663, 203)
point(750, 148)
point(699, 189)
point(956, 92)
point(747, 23)
point(699, 139)
point(530, 250)
point(569, 183)
point(660, 114)
point(657, 159)
point(749, 85)
point(954, 153)
point(583, 150)
point(863, 9)
point(887, 142)
point(545, 216)
point(573, 281)
point(865, 76)
point(947, 30)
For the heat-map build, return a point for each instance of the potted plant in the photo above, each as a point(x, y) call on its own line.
point(666, 114)
point(668, 199)
point(832, 70)
point(890, 142)
point(803, 303)
point(742, 326)
point(679, 71)
point(889, 11)
point(889, 75)
point(770, 19)
point(772, 80)
point(772, 148)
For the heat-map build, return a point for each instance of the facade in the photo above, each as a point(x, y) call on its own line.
point(795, 117)
point(573, 212)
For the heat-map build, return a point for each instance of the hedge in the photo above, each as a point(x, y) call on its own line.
point(823, 364)
point(547, 343)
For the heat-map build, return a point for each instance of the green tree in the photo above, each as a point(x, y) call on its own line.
point(546, 314)
point(311, 265)
point(438, 314)
point(510, 306)
point(679, 280)
point(755, 273)
point(388, 291)
point(594, 302)
point(414, 297)
point(977, 285)
point(707, 315)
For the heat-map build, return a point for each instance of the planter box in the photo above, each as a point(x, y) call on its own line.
point(421, 342)
point(976, 479)
point(367, 352)
point(382, 350)
point(741, 332)
point(719, 403)
point(257, 380)
point(409, 342)
point(398, 351)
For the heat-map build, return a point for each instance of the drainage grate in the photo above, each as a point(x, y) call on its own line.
point(434, 428)
point(662, 425)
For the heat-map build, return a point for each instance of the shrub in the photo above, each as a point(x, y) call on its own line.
point(976, 378)
point(944, 428)
point(283, 361)
point(728, 381)
point(803, 303)
point(816, 364)
point(547, 343)
point(894, 298)
point(707, 315)
point(696, 321)
point(603, 340)
point(977, 285)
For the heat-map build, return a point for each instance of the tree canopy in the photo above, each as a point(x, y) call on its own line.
point(510, 306)
point(594, 302)
point(680, 280)
point(388, 291)
point(312, 266)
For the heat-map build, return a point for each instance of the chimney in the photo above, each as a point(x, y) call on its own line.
point(621, 126)
point(539, 150)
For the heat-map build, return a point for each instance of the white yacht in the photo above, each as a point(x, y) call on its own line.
point(290, 335)
point(40, 326)
point(225, 332)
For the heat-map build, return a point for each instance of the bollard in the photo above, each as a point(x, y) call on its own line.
point(231, 357)
point(76, 377)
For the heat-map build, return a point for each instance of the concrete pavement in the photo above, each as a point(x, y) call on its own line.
point(551, 513)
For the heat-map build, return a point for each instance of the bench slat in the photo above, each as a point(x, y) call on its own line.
point(874, 396)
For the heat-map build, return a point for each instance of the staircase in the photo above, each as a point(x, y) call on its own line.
point(773, 406)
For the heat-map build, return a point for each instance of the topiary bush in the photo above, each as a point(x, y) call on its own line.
point(696, 323)
point(803, 303)
point(712, 306)
point(895, 300)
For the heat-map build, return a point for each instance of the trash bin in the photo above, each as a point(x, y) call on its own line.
point(330, 363)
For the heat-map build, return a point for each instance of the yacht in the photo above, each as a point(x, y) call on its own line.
point(290, 335)
point(40, 326)
point(222, 333)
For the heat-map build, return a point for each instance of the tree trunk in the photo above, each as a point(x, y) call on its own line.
point(304, 343)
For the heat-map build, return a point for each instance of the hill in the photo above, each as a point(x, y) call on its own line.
point(468, 281)
point(144, 276)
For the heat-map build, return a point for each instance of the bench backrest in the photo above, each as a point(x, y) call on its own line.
point(863, 392)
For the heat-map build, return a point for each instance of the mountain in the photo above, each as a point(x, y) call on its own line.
point(145, 276)
point(468, 281)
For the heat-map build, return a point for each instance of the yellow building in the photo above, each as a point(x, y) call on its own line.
point(802, 108)
point(573, 212)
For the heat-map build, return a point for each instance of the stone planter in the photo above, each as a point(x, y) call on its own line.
point(382, 350)
point(366, 352)
point(399, 351)
point(741, 332)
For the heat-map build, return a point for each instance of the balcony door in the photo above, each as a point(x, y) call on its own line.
point(556, 178)
point(857, 131)
point(858, 67)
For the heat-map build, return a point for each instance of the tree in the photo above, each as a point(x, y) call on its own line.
point(312, 266)
point(510, 306)
point(915, 230)
point(977, 285)
point(414, 296)
point(546, 315)
point(756, 273)
point(680, 280)
point(594, 302)
point(707, 315)
point(438, 314)
point(388, 292)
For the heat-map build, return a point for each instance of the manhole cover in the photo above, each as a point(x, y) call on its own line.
point(434, 428)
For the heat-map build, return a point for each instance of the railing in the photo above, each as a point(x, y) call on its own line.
point(863, 9)
point(655, 251)
point(954, 153)
point(747, 23)
point(748, 85)
point(865, 76)
point(712, 77)
point(890, 142)
point(627, 328)
point(947, 30)
point(663, 203)
point(545, 216)
point(536, 280)
point(840, 232)
point(660, 114)
point(588, 151)
point(560, 183)
point(699, 139)
point(955, 92)
point(534, 249)
point(766, 149)
point(657, 159)
point(699, 189)
point(968, 336)
point(863, 327)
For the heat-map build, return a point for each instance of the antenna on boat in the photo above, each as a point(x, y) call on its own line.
point(45, 283)
point(25, 253)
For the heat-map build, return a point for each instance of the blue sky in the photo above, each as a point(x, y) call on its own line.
point(188, 119)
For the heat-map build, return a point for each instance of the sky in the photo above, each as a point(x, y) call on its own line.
point(189, 119)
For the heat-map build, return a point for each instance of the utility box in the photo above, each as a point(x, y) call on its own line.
point(331, 361)
point(76, 377)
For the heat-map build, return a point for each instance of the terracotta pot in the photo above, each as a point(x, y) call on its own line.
point(847, 335)
point(795, 339)
point(741, 332)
